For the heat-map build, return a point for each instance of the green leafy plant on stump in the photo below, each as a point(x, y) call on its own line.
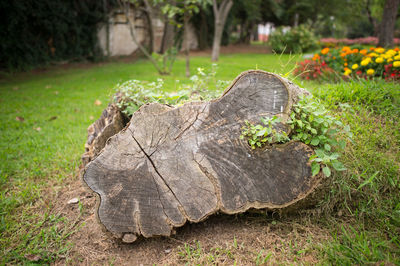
point(258, 135)
point(311, 124)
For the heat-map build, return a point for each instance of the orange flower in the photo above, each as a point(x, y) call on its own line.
point(371, 48)
point(315, 57)
point(333, 57)
point(396, 49)
point(345, 64)
point(363, 51)
point(346, 68)
point(355, 50)
point(343, 54)
point(346, 48)
point(325, 50)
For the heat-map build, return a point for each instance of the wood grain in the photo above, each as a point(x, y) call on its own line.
point(174, 165)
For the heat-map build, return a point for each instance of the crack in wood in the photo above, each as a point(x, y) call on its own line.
point(191, 124)
point(183, 212)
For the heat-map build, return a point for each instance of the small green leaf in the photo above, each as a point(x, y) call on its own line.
point(326, 171)
point(327, 147)
point(315, 141)
point(338, 166)
point(261, 132)
point(315, 168)
point(342, 144)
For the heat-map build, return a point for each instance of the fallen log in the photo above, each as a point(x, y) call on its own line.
point(171, 165)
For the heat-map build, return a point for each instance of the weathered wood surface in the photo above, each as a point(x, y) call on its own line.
point(111, 121)
point(173, 165)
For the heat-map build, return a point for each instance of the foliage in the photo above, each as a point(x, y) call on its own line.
point(134, 93)
point(39, 32)
point(311, 124)
point(258, 136)
point(292, 40)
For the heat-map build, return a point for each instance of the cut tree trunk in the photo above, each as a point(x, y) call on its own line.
point(111, 121)
point(172, 165)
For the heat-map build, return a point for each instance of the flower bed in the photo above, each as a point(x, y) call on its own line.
point(333, 42)
point(348, 62)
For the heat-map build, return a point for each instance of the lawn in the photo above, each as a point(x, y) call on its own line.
point(44, 120)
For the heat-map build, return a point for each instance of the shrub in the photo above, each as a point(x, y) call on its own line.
point(292, 40)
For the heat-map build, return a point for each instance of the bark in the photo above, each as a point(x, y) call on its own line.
point(149, 17)
point(187, 41)
point(111, 122)
point(371, 19)
point(124, 5)
point(172, 165)
point(386, 31)
point(220, 15)
point(168, 37)
point(202, 32)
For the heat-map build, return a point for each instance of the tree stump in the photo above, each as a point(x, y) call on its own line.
point(111, 121)
point(171, 165)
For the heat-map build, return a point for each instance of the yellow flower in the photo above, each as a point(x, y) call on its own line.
point(325, 50)
point(370, 71)
point(373, 55)
point(379, 50)
point(355, 66)
point(389, 60)
point(391, 52)
point(396, 63)
point(365, 61)
point(379, 60)
point(347, 72)
point(397, 57)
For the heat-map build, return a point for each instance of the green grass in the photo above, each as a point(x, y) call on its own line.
point(362, 207)
point(41, 151)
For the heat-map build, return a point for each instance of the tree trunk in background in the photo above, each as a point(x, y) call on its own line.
point(149, 17)
point(168, 37)
point(220, 15)
point(202, 33)
point(187, 41)
point(386, 30)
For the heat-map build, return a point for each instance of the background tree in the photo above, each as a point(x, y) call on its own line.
point(246, 14)
point(220, 14)
point(386, 29)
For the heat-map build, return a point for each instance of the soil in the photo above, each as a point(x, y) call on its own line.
point(221, 239)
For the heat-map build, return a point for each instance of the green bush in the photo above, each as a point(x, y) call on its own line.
point(293, 40)
point(34, 33)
